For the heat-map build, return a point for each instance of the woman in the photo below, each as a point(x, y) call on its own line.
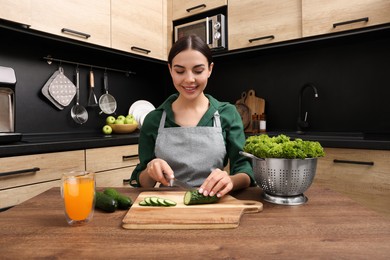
point(192, 136)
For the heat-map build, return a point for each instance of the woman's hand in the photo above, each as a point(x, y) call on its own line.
point(159, 170)
point(218, 182)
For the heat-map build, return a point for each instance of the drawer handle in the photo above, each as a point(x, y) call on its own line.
point(195, 7)
point(129, 157)
point(271, 37)
point(353, 162)
point(32, 170)
point(138, 49)
point(80, 34)
point(365, 19)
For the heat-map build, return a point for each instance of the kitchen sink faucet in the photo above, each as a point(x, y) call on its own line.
point(302, 124)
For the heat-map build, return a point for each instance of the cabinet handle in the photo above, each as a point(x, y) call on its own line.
point(195, 7)
point(81, 34)
point(129, 157)
point(34, 170)
point(134, 48)
point(365, 19)
point(271, 37)
point(353, 162)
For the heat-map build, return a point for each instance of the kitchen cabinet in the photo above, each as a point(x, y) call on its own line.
point(181, 9)
point(253, 22)
point(87, 21)
point(16, 11)
point(23, 177)
point(363, 175)
point(321, 16)
point(112, 164)
point(139, 27)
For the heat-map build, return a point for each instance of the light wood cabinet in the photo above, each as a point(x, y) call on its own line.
point(87, 20)
point(23, 177)
point(139, 27)
point(16, 11)
point(181, 9)
point(322, 16)
point(253, 22)
point(112, 164)
point(363, 175)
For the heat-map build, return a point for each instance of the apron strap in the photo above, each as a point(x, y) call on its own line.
point(162, 121)
point(217, 119)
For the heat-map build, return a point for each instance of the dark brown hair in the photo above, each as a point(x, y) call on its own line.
point(193, 42)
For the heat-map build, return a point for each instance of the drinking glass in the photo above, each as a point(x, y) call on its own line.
point(78, 193)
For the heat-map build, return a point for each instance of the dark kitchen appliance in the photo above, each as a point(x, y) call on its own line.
point(7, 106)
point(211, 29)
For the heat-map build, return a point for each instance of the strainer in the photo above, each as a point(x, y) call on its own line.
point(283, 180)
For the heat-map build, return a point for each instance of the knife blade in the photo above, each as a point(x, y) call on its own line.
point(175, 182)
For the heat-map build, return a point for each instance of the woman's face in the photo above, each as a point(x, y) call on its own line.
point(190, 72)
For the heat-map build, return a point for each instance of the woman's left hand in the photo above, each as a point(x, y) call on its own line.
point(218, 182)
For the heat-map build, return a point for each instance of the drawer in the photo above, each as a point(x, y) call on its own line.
point(37, 168)
point(182, 9)
point(114, 178)
point(363, 175)
point(15, 196)
point(109, 158)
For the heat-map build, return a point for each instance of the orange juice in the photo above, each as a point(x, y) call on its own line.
point(79, 192)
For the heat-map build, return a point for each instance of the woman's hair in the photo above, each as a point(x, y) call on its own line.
point(193, 42)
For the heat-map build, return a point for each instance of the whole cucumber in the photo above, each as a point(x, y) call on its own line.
point(105, 202)
point(124, 202)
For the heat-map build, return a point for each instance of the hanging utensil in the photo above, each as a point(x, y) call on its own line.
point(92, 100)
point(78, 112)
point(107, 102)
point(61, 89)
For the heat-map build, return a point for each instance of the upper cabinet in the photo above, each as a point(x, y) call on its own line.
point(86, 20)
point(181, 9)
point(324, 16)
point(16, 11)
point(138, 27)
point(255, 22)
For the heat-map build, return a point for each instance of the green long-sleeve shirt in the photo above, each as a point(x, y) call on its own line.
point(232, 130)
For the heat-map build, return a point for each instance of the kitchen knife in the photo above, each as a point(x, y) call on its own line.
point(175, 182)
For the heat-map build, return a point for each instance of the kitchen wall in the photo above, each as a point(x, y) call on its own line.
point(351, 74)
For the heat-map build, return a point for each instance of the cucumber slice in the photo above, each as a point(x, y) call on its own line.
point(169, 202)
point(161, 202)
point(143, 203)
point(147, 200)
point(154, 201)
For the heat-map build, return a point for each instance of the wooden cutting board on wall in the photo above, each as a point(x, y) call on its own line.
point(255, 104)
point(224, 214)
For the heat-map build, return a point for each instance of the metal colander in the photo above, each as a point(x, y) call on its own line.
point(287, 179)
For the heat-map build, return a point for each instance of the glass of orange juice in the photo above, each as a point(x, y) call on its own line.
point(78, 193)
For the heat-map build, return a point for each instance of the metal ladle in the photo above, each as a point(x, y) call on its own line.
point(78, 112)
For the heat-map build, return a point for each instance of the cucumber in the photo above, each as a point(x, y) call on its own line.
point(157, 202)
point(124, 202)
point(105, 202)
point(194, 197)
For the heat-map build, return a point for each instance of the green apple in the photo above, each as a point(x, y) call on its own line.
point(119, 121)
point(121, 117)
point(130, 116)
point(110, 120)
point(107, 129)
point(130, 121)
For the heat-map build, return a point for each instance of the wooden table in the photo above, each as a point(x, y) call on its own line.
point(329, 226)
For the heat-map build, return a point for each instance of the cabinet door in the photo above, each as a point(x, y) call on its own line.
point(138, 27)
point(181, 9)
point(16, 11)
point(114, 178)
point(110, 158)
point(323, 16)
point(30, 169)
point(253, 22)
point(86, 20)
point(363, 175)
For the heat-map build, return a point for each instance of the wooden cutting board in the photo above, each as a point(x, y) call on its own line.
point(255, 104)
point(224, 214)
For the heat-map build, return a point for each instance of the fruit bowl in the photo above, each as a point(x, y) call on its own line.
point(123, 128)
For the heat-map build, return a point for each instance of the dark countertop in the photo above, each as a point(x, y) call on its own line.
point(45, 143)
